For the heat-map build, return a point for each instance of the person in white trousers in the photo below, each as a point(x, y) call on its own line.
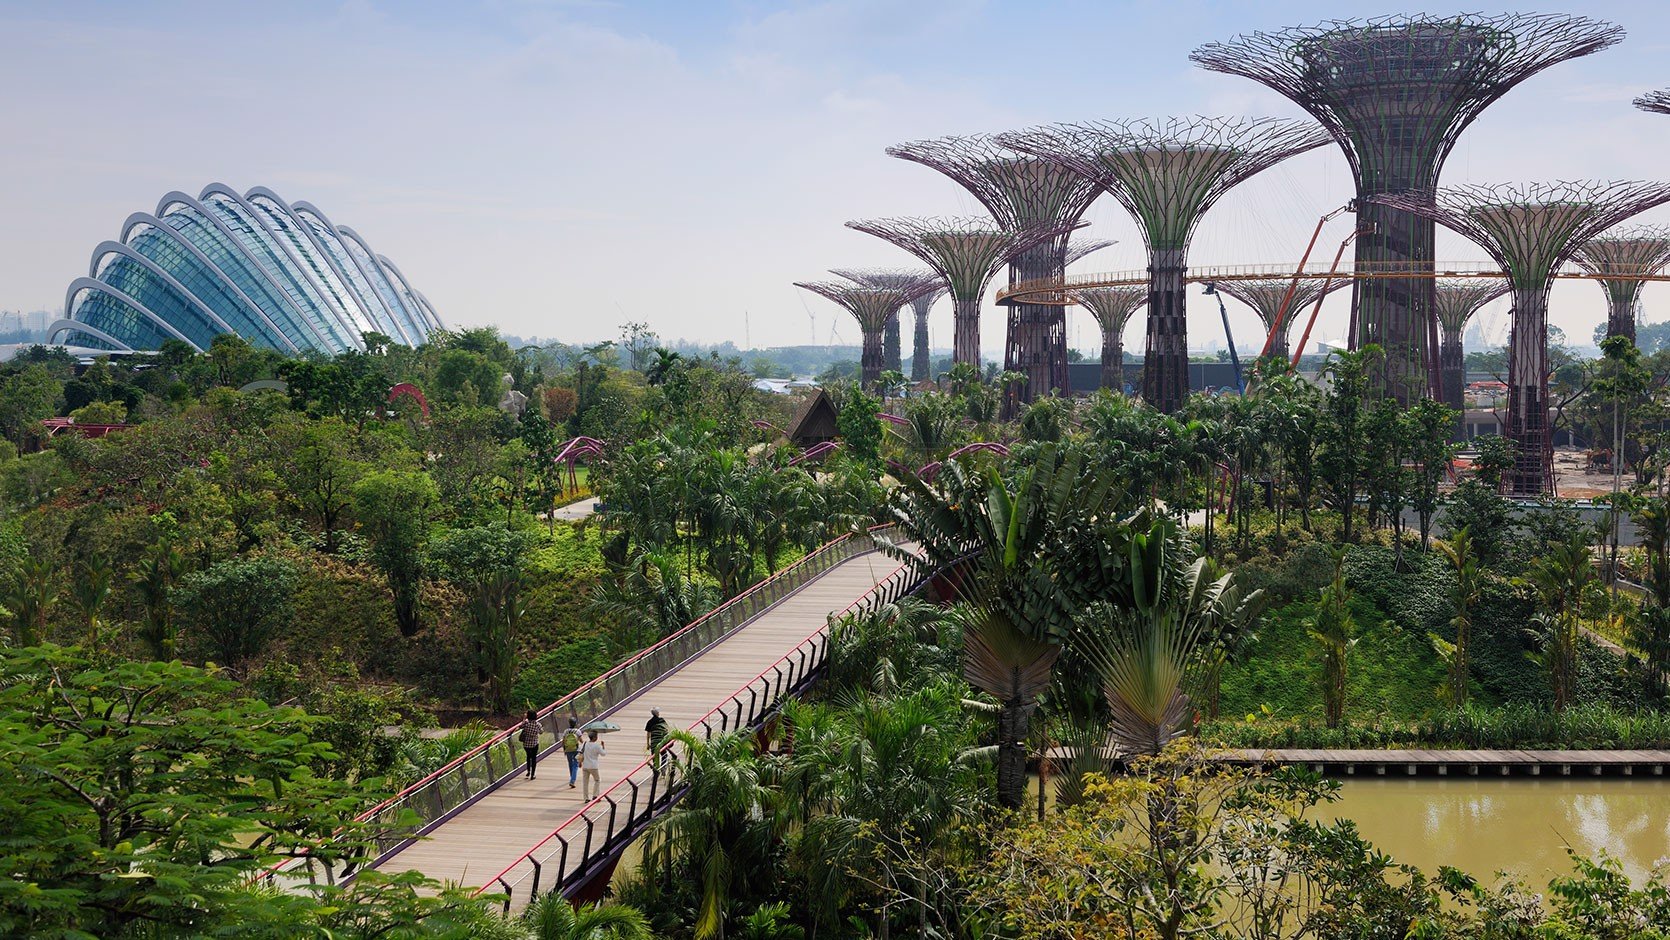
point(591, 766)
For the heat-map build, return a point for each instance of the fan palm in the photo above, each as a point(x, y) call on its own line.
point(1147, 655)
point(1013, 667)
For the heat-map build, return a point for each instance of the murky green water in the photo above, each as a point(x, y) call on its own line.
point(1516, 825)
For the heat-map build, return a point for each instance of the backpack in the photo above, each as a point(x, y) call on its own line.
point(571, 741)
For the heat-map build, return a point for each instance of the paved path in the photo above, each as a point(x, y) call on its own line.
point(486, 837)
point(574, 512)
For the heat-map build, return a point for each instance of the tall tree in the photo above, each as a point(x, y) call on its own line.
point(486, 562)
point(393, 507)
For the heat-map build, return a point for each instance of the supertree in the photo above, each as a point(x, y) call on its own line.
point(1619, 262)
point(1657, 102)
point(1456, 299)
point(1270, 299)
point(1021, 192)
point(1080, 248)
point(966, 252)
point(870, 306)
point(1531, 230)
point(1112, 307)
point(921, 363)
point(915, 284)
point(1167, 173)
point(1396, 93)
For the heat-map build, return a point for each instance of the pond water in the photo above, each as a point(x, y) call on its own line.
point(1521, 826)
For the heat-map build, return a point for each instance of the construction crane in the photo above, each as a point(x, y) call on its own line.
point(1234, 357)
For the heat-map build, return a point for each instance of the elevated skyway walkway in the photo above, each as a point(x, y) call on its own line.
point(480, 823)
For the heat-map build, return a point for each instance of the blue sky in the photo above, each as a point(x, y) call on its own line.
point(560, 167)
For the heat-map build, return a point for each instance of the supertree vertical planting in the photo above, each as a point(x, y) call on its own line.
point(1531, 230)
point(1396, 93)
point(921, 359)
point(914, 283)
point(1167, 173)
point(870, 306)
point(1456, 300)
point(1266, 297)
point(1112, 307)
point(1619, 262)
point(965, 252)
point(1021, 192)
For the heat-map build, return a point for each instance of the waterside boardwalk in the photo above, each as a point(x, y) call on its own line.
point(1442, 762)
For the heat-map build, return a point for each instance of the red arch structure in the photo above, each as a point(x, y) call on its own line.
point(929, 471)
point(408, 390)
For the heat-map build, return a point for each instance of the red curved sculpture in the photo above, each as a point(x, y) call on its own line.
point(931, 470)
point(408, 390)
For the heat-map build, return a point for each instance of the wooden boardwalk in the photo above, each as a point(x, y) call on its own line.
point(1442, 762)
point(487, 836)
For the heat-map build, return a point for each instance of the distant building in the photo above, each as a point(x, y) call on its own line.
point(281, 276)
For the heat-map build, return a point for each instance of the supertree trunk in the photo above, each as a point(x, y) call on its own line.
point(965, 345)
point(1528, 394)
point(1037, 339)
point(1165, 373)
point(1452, 363)
point(1620, 320)
point(1113, 361)
point(1394, 312)
point(921, 364)
point(890, 345)
point(873, 358)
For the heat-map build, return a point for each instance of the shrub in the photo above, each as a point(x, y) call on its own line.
point(551, 675)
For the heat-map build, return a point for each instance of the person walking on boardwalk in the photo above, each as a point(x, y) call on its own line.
point(655, 731)
point(591, 767)
point(571, 750)
point(530, 741)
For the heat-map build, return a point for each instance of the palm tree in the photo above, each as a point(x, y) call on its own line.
point(1013, 667)
point(30, 596)
point(1335, 632)
point(1148, 654)
point(1459, 551)
point(724, 828)
point(552, 917)
point(1560, 578)
point(89, 592)
point(155, 581)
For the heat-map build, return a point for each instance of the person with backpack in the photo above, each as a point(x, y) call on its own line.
point(655, 731)
point(530, 741)
point(571, 750)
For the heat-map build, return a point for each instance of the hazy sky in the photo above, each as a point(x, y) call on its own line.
point(558, 167)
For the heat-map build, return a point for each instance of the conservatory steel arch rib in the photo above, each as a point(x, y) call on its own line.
point(299, 238)
point(252, 310)
point(411, 322)
point(336, 249)
point(188, 209)
point(283, 262)
point(87, 285)
point(109, 254)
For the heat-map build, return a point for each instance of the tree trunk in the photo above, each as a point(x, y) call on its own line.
point(871, 361)
point(1013, 725)
point(1165, 372)
point(1113, 361)
point(966, 339)
point(891, 354)
point(1528, 394)
point(921, 362)
point(1395, 313)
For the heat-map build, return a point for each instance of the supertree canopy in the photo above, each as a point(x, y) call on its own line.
point(1531, 230)
point(1456, 300)
point(1278, 299)
point(1657, 102)
point(1080, 248)
point(1167, 173)
point(870, 306)
point(1021, 192)
point(1619, 262)
point(1112, 307)
point(966, 252)
point(915, 284)
point(1396, 93)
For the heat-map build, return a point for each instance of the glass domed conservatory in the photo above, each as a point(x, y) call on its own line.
point(282, 276)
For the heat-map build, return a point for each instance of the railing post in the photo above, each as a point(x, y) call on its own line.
point(533, 892)
point(506, 886)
